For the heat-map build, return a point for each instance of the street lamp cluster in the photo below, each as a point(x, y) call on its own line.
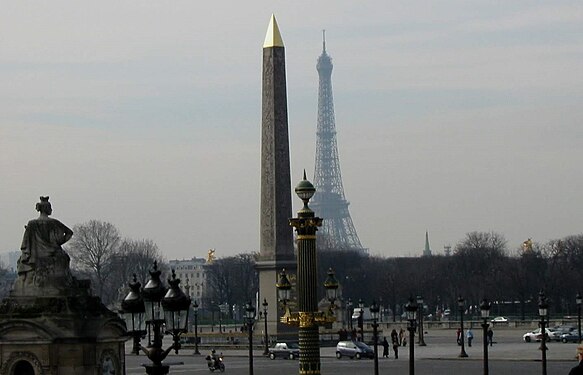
point(156, 306)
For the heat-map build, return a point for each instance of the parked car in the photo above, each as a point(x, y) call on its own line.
point(289, 350)
point(353, 349)
point(536, 335)
point(500, 320)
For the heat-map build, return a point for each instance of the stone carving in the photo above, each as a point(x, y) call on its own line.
point(43, 265)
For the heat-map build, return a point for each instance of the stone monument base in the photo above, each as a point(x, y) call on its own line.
point(72, 334)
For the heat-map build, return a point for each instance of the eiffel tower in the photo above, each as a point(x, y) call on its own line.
point(337, 232)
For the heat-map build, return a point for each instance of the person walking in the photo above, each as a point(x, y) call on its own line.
point(469, 336)
point(385, 348)
point(395, 341)
point(578, 370)
point(401, 336)
point(458, 335)
point(490, 336)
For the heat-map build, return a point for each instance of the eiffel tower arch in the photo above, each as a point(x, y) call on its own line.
point(329, 202)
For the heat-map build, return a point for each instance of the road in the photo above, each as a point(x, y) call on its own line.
point(508, 356)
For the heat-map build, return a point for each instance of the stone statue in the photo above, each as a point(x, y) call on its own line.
point(43, 264)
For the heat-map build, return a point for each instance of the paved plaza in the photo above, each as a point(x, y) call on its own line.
point(509, 355)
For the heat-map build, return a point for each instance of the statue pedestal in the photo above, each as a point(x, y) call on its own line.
point(73, 334)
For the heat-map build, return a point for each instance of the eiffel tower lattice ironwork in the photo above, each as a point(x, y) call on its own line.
point(329, 202)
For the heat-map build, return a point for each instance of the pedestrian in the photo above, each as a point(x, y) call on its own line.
point(385, 348)
point(490, 336)
point(395, 341)
point(578, 370)
point(401, 336)
point(469, 336)
point(458, 335)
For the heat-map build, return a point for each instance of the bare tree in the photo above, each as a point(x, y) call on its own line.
point(92, 248)
point(233, 280)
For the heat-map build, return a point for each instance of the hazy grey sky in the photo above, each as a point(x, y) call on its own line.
point(452, 116)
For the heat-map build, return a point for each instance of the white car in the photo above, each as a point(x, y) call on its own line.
point(536, 335)
point(500, 320)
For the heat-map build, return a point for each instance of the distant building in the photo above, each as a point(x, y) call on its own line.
point(192, 271)
point(9, 259)
point(427, 250)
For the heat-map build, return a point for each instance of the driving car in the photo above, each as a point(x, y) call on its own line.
point(499, 320)
point(558, 331)
point(353, 349)
point(286, 350)
point(571, 336)
point(535, 335)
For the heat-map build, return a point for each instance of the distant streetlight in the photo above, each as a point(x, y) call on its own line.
point(421, 309)
point(579, 300)
point(195, 308)
point(411, 310)
point(543, 310)
point(250, 319)
point(374, 312)
point(461, 306)
point(349, 310)
point(266, 339)
point(485, 310)
point(361, 318)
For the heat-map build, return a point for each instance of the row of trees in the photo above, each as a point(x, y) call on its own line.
point(481, 266)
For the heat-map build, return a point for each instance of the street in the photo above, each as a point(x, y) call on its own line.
point(508, 356)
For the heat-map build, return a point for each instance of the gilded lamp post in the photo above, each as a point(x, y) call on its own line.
point(308, 318)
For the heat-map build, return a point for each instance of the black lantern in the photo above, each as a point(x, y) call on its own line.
point(153, 293)
point(133, 314)
point(283, 288)
point(331, 285)
point(176, 305)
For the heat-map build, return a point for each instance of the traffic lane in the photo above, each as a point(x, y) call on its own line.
point(332, 366)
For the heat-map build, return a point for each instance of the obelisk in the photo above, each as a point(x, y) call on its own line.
point(276, 235)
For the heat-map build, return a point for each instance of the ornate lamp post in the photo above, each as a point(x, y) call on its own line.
point(543, 309)
point(250, 319)
point(349, 310)
point(411, 310)
point(361, 318)
point(421, 311)
point(374, 312)
point(308, 317)
point(264, 304)
point(579, 300)
point(461, 306)
point(485, 310)
point(133, 313)
point(161, 307)
point(195, 309)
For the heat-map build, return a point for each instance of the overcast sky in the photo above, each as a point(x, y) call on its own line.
point(452, 117)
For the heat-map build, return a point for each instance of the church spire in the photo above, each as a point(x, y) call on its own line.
point(427, 251)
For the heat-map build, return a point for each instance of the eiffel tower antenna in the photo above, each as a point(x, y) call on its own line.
point(337, 232)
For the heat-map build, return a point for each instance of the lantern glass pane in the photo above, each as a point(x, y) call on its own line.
point(149, 313)
point(485, 313)
point(542, 311)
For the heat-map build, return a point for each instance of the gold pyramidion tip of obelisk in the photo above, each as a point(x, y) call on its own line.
point(273, 37)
